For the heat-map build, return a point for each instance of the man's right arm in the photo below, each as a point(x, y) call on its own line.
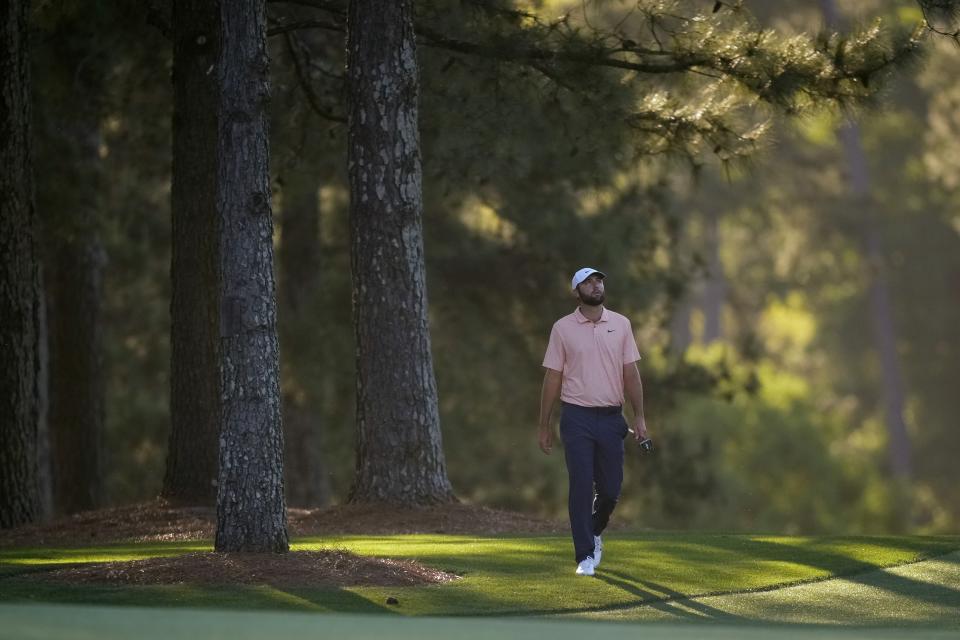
point(548, 398)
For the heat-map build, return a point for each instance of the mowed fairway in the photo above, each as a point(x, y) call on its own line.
point(47, 622)
point(662, 580)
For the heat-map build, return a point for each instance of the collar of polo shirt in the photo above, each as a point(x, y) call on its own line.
point(582, 318)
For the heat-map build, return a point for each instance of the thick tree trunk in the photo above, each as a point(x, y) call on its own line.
point(399, 451)
point(20, 285)
point(306, 478)
point(191, 471)
point(250, 503)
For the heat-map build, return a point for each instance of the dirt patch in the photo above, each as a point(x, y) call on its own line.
point(158, 521)
point(294, 569)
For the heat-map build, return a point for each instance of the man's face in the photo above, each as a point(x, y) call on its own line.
point(590, 291)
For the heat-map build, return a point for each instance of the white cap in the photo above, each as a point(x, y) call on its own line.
point(583, 274)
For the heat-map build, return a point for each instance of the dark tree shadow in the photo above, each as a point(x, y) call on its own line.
point(663, 599)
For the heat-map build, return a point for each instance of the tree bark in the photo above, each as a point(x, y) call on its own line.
point(20, 285)
point(399, 451)
point(306, 474)
point(191, 469)
point(77, 386)
point(44, 447)
point(250, 502)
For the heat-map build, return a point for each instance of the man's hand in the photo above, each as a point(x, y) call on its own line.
point(546, 439)
point(639, 429)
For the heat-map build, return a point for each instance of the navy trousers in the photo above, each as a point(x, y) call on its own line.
point(593, 446)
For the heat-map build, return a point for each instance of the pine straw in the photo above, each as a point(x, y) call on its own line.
point(159, 521)
point(451, 518)
point(294, 569)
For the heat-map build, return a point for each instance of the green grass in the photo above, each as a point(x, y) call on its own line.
point(921, 594)
point(30, 622)
point(653, 576)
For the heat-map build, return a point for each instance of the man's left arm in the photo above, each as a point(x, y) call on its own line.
point(633, 389)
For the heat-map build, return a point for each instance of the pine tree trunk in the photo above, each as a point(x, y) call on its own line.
point(68, 201)
point(681, 337)
point(77, 388)
point(20, 285)
point(881, 312)
point(191, 470)
point(250, 502)
point(881, 309)
point(399, 451)
point(715, 288)
point(305, 471)
point(44, 447)
point(680, 334)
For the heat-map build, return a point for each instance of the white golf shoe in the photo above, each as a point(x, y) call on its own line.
point(585, 568)
point(597, 550)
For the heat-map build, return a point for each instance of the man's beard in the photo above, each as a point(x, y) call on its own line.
point(591, 301)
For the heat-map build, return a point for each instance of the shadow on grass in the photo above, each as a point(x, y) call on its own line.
point(263, 597)
point(865, 573)
point(520, 578)
point(664, 599)
point(952, 558)
point(20, 556)
point(818, 556)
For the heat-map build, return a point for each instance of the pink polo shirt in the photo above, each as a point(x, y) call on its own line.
point(591, 357)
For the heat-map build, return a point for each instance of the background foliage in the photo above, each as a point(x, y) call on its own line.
point(778, 425)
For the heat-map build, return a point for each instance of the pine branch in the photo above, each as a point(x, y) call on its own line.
point(304, 80)
point(942, 11)
point(721, 61)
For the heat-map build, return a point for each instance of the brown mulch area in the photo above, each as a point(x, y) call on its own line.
point(158, 521)
point(452, 518)
point(297, 568)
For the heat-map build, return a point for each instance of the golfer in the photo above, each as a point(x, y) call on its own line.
point(591, 363)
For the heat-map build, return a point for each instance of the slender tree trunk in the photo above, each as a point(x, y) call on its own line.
point(881, 308)
point(399, 451)
point(77, 387)
point(68, 201)
point(680, 335)
point(251, 513)
point(191, 470)
point(715, 288)
point(20, 285)
point(75, 287)
point(44, 447)
point(306, 478)
point(681, 312)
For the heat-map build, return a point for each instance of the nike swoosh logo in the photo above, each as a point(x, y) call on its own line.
point(610, 330)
